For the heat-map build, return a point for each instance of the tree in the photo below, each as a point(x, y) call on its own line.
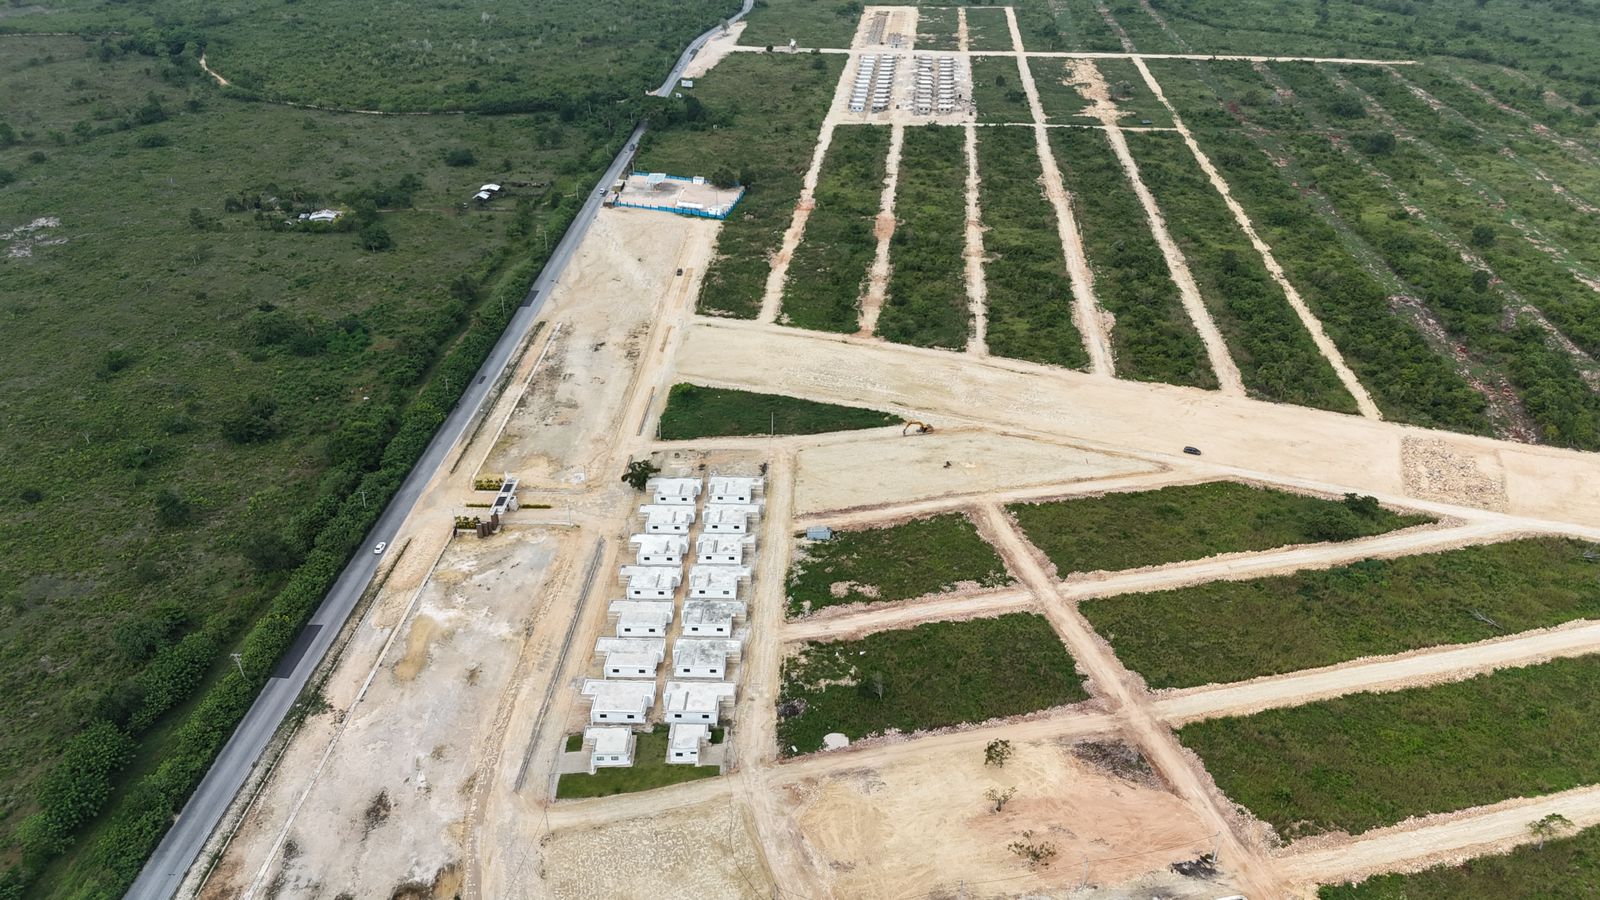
point(375, 238)
point(459, 157)
point(872, 686)
point(1000, 798)
point(1482, 236)
point(996, 754)
point(639, 473)
point(253, 422)
point(1038, 853)
point(1548, 827)
point(1378, 143)
point(172, 511)
point(1363, 505)
point(1334, 523)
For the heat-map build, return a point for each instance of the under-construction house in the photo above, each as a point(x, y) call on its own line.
point(935, 85)
point(874, 85)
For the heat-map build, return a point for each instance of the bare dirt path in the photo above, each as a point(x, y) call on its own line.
point(878, 275)
point(856, 621)
point(977, 288)
point(1228, 379)
point(962, 43)
point(1313, 325)
point(1087, 313)
point(1242, 857)
point(1431, 665)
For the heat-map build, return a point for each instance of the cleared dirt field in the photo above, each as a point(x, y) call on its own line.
point(691, 853)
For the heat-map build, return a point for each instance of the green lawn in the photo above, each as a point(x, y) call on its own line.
point(696, 412)
point(650, 769)
point(931, 676)
point(1192, 521)
point(1371, 760)
point(1565, 868)
point(1376, 606)
point(877, 565)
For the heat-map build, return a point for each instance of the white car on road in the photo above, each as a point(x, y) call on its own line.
point(382, 545)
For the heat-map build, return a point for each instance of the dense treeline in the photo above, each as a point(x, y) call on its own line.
point(927, 300)
point(1274, 352)
point(829, 269)
point(1029, 295)
point(1152, 337)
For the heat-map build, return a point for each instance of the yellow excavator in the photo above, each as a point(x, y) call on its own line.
point(916, 428)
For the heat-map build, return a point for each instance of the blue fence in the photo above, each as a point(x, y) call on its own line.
point(700, 213)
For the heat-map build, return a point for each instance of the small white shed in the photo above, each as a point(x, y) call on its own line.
point(667, 519)
point(641, 618)
point(723, 549)
point(675, 491)
point(619, 702)
point(711, 618)
point(717, 582)
point(684, 743)
point(703, 657)
point(651, 582)
point(631, 657)
point(609, 747)
point(660, 549)
point(697, 702)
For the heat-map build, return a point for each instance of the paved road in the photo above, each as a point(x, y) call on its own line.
point(694, 47)
point(165, 870)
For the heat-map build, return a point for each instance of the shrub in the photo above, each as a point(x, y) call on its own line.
point(459, 157)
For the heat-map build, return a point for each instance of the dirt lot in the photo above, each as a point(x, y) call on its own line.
point(695, 853)
point(871, 830)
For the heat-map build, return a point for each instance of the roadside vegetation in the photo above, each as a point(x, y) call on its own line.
point(1029, 294)
point(762, 140)
point(931, 676)
point(1192, 521)
point(997, 91)
point(1152, 336)
point(650, 770)
point(877, 565)
point(1370, 608)
point(1560, 868)
point(987, 28)
point(1274, 352)
point(1370, 760)
point(826, 277)
point(693, 411)
point(927, 303)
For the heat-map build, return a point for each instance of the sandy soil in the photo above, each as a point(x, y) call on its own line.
point(895, 469)
point(977, 288)
point(885, 28)
point(714, 51)
point(694, 853)
point(1307, 318)
point(869, 828)
point(567, 421)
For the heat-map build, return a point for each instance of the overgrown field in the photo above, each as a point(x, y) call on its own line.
point(650, 769)
point(829, 270)
point(1152, 336)
point(1373, 607)
point(773, 23)
point(877, 565)
point(997, 91)
point(1192, 521)
point(1567, 867)
point(1273, 351)
point(1029, 296)
point(1132, 95)
point(987, 29)
point(937, 28)
point(1370, 760)
point(1058, 97)
point(931, 676)
point(1082, 28)
point(760, 139)
point(927, 303)
point(693, 411)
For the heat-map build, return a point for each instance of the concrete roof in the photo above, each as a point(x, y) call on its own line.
point(730, 512)
point(675, 487)
point(658, 612)
point(622, 696)
point(660, 543)
point(656, 647)
point(660, 512)
point(686, 735)
point(724, 543)
point(610, 738)
point(732, 484)
point(652, 576)
point(707, 612)
point(702, 651)
point(697, 696)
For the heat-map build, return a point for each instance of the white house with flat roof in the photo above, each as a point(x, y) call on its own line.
point(675, 491)
point(711, 618)
point(666, 519)
point(641, 618)
point(660, 549)
point(609, 746)
point(717, 582)
point(684, 742)
point(703, 657)
point(734, 518)
point(651, 582)
point(730, 489)
point(696, 702)
point(723, 549)
point(619, 702)
point(631, 657)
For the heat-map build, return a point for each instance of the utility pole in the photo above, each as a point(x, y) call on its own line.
point(238, 661)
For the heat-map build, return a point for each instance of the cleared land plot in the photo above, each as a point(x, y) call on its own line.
point(931, 676)
point(824, 284)
point(1192, 521)
point(764, 139)
point(987, 29)
point(997, 91)
point(1409, 380)
point(937, 28)
point(1233, 630)
point(650, 769)
point(927, 299)
point(1273, 351)
point(1029, 296)
point(1371, 760)
point(694, 411)
point(1564, 869)
point(877, 565)
point(1152, 336)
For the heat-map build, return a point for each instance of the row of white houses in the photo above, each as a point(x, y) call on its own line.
point(698, 689)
